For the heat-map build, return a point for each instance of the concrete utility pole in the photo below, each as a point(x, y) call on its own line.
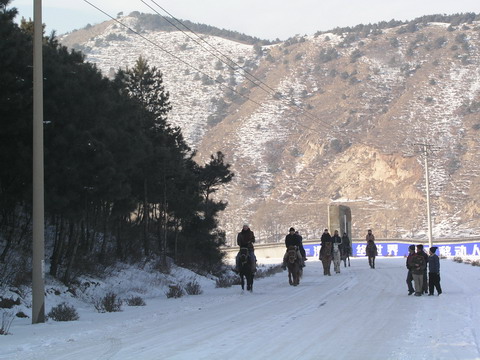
point(427, 185)
point(38, 257)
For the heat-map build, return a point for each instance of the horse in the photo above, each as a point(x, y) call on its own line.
point(326, 257)
point(295, 270)
point(246, 271)
point(345, 251)
point(345, 257)
point(336, 258)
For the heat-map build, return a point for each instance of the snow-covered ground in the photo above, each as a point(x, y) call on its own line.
point(358, 314)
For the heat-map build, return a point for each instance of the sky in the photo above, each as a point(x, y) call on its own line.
point(265, 19)
point(359, 313)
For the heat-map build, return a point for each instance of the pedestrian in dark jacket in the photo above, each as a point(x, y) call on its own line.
point(371, 252)
point(433, 272)
point(425, 282)
point(418, 268)
point(245, 239)
point(411, 253)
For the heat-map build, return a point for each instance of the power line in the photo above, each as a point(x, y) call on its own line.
point(230, 61)
point(276, 94)
point(185, 62)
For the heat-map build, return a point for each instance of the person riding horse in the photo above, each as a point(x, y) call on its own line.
point(293, 239)
point(326, 249)
point(301, 248)
point(245, 239)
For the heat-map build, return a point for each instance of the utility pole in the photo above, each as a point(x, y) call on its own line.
point(427, 186)
point(38, 257)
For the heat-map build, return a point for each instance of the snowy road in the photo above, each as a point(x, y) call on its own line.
point(358, 314)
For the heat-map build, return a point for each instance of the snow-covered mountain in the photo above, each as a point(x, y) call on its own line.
point(332, 118)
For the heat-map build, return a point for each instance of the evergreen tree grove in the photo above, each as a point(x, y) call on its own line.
point(120, 181)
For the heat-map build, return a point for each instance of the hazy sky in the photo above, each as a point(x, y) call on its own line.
point(266, 19)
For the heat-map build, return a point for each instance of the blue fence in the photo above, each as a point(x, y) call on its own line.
point(386, 248)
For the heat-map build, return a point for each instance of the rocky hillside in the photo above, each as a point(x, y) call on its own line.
point(331, 118)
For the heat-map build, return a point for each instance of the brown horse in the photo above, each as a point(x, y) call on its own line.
point(246, 272)
point(295, 270)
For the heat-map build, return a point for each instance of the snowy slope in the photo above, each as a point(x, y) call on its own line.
point(358, 314)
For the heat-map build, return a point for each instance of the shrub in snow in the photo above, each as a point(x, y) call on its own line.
point(7, 319)
point(458, 259)
point(63, 312)
point(8, 303)
point(164, 265)
point(476, 263)
point(193, 288)
point(269, 271)
point(175, 291)
point(109, 303)
point(225, 281)
point(135, 301)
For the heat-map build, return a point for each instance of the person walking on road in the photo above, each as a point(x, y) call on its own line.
point(425, 281)
point(411, 253)
point(418, 267)
point(433, 272)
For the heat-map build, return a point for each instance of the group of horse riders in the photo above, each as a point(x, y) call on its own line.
point(246, 238)
point(334, 248)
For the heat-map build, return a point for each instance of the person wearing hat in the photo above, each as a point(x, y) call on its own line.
point(411, 252)
point(292, 239)
point(245, 239)
point(433, 272)
point(418, 267)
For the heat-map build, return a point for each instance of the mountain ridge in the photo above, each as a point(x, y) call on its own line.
point(328, 118)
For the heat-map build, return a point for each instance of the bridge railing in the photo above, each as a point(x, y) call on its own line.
point(466, 246)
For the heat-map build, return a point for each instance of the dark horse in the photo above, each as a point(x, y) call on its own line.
point(346, 256)
point(294, 268)
point(246, 271)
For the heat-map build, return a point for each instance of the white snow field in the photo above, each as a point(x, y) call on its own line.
point(361, 313)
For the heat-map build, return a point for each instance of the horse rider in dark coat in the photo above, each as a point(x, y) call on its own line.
point(302, 249)
point(370, 236)
point(293, 239)
point(245, 239)
point(326, 237)
point(326, 249)
point(346, 248)
point(371, 252)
